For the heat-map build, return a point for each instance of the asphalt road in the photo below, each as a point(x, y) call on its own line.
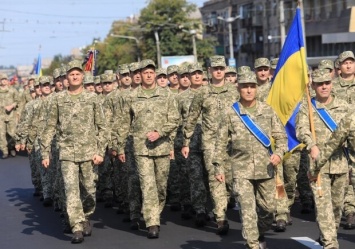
point(25, 223)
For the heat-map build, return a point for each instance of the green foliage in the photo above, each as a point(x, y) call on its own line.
point(57, 62)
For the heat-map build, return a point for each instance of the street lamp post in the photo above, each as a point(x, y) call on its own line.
point(229, 20)
point(158, 47)
point(193, 37)
point(132, 38)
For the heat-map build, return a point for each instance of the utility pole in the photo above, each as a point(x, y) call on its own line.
point(158, 47)
point(300, 4)
point(282, 24)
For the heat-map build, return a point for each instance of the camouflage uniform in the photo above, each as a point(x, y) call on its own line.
point(146, 111)
point(75, 117)
point(8, 120)
point(211, 103)
point(334, 174)
point(253, 175)
point(263, 89)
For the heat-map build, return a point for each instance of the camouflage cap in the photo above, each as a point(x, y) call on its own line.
point(146, 63)
point(109, 71)
point(183, 69)
point(123, 68)
point(249, 77)
point(243, 69)
point(3, 76)
point(218, 61)
point(44, 80)
point(36, 83)
point(97, 79)
point(32, 77)
point(160, 71)
point(326, 64)
point(336, 63)
point(321, 75)
point(106, 77)
point(51, 80)
point(88, 78)
point(273, 63)
point(261, 62)
point(230, 69)
point(346, 55)
point(63, 70)
point(134, 66)
point(195, 67)
point(75, 64)
point(172, 69)
point(56, 73)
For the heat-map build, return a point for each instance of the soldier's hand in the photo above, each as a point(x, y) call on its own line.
point(172, 155)
point(9, 108)
point(45, 163)
point(275, 159)
point(153, 136)
point(17, 147)
point(185, 151)
point(97, 159)
point(314, 152)
point(220, 177)
point(114, 153)
point(29, 150)
point(23, 146)
point(122, 157)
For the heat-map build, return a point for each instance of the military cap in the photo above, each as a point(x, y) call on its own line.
point(134, 66)
point(273, 63)
point(123, 68)
point(3, 76)
point(32, 77)
point(106, 77)
point(88, 78)
point(172, 69)
point(248, 77)
point(97, 79)
point(51, 80)
point(75, 64)
point(243, 69)
point(183, 69)
point(63, 70)
point(321, 75)
point(230, 69)
point(109, 71)
point(44, 80)
point(346, 55)
point(261, 62)
point(56, 73)
point(36, 83)
point(160, 71)
point(218, 61)
point(326, 64)
point(146, 63)
point(195, 67)
point(336, 63)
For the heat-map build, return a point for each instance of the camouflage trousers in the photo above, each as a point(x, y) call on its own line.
point(58, 188)
point(349, 198)
point(283, 205)
point(174, 181)
point(7, 134)
point(329, 206)
point(34, 166)
point(80, 180)
point(120, 183)
point(105, 182)
point(153, 176)
point(47, 175)
point(253, 195)
point(218, 190)
point(302, 179)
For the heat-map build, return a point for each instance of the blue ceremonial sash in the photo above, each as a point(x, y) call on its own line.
point(325, 117)
point(253, 128)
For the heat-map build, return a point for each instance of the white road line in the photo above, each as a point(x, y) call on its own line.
point(310, 243)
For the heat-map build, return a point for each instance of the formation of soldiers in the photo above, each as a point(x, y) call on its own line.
point(182, 135)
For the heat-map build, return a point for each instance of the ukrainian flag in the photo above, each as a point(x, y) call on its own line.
point(38, 66)
point(290, 80)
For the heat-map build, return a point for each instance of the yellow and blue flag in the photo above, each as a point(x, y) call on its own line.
point(290, 80)
point(38, 66)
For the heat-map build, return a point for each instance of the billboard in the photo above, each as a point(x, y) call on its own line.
point(176, 60)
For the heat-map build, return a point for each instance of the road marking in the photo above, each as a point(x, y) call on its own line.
point(310, 243)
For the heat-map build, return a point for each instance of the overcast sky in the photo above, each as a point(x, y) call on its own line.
point(57, 26)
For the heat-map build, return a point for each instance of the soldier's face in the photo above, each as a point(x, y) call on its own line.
point(107, 87)
point(148, 76)
point(38, 90)
point(196, 78)
point(75, 77)
point(58, 85)
point(184, 81)
point(98, 88)
point(173, 78)
point(136, 77)
point(347, 67)
point(4, 82)
point(247, 91)
point(231, 77)
point(262, 74)
point(90, 87)
point(46, 89)
point(322, 89)
point(162, 80)
point(217, 73)
point(125, 79)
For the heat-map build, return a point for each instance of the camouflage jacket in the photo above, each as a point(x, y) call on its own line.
point(263, 91)
point(142, 113)
point(337, 164)
point(344, 89)
point(250, 159)
point(212, 104)
point(8, 96)
point(81, 127)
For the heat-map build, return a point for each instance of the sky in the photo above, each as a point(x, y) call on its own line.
point(48, 27)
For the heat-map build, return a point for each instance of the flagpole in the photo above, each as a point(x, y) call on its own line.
point(300, 5)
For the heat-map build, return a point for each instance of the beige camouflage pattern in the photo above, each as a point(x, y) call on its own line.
point(261, 62)
point(218, 61)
